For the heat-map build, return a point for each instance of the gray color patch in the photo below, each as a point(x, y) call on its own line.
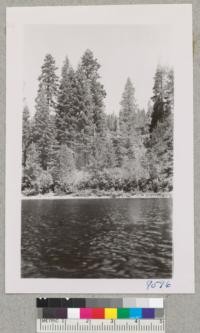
point(39, 313)
point(159, 313)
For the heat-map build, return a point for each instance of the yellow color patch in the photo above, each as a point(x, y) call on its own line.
point(110, 313)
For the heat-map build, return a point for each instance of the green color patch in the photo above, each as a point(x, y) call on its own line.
point(123, 313)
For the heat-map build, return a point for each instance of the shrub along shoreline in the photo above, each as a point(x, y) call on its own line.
point(100, 195)
point(114, 182)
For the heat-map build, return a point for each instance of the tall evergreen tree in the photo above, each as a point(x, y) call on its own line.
point(32, 169)
point(127, 115)
point(112, 122)
point(26, 133)
point(48, 81)
point(163, 95)
point(127, 120)
point(85, 124)
point(161, 127)
point(43, 133)
point(90, 66)
point(66, 112)
point(43, 123)
point(74, 117)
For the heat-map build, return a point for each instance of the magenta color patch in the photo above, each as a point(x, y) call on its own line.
point(85, 313)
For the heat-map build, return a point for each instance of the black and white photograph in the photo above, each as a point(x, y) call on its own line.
point(97, 162)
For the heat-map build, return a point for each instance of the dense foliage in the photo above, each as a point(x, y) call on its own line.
point(71, 145)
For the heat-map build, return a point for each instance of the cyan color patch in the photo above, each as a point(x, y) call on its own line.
point(135, 313)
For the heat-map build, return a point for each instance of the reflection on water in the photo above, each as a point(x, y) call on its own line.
point(91, 238)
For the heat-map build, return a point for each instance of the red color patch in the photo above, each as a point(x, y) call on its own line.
point(98, 313)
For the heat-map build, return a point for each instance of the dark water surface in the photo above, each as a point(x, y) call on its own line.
point(97, 238)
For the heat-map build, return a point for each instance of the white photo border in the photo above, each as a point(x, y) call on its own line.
point(179, 16)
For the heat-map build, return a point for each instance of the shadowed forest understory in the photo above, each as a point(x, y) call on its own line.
point(72, 145)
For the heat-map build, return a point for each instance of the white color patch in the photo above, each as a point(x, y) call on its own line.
point(156, 303)
point(73, 313)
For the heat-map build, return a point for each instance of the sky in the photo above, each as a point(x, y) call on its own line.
point(122, 51)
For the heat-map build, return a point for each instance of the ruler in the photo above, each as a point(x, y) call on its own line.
point(100, 326)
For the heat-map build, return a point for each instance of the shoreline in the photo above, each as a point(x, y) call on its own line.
point(72, 196)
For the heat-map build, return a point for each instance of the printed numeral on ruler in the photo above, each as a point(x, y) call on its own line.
point(100, 326)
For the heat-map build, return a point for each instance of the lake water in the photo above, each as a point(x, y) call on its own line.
point(97, 238)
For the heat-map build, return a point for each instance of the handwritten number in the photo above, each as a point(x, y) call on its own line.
point(155, 284)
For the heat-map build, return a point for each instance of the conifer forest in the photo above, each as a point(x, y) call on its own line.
point(72, 145)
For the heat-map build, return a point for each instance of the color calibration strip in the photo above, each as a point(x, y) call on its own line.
point(90, 315)
point(104, 308)
point(126, 302)
point(100, 313)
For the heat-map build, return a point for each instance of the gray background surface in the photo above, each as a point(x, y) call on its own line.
point(17, 312)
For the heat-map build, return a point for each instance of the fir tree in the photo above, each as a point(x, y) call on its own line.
point(32, 169)
point(43, 133)
point(127, 121)
point(26, 133)
point(48, 81)
point(128, 110)
point(112, 122)
point(161, 139)
point(43, 123)
point(90, 66)
point(66, 111)
point(85, 124)
point(163, 95)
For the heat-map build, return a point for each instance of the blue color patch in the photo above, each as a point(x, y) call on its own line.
point(135, 313)
point(148, 313)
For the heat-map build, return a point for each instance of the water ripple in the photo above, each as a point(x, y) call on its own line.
point(119, 238)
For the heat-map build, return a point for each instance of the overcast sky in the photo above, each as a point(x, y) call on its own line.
point(122, 51)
